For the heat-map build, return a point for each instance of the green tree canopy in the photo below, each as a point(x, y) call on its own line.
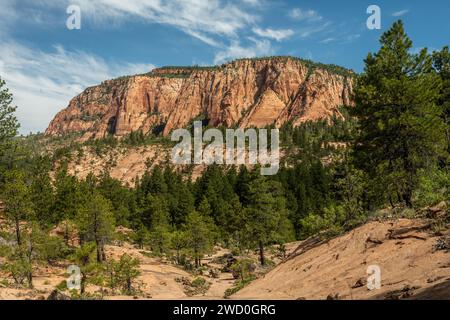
point(401, 129)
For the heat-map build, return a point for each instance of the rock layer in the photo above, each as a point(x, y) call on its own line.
point(244, 93)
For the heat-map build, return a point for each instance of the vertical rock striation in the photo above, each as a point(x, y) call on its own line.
point(244, 93)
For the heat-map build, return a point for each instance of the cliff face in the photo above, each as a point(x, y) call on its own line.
point(245, 93)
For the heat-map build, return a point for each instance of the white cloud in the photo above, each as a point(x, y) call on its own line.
point(309, 15)
point(353, 37)
point(8, 15)
point(308, 31)
point(44, 82)
point(277, 35)
point(235, 51)
point(328, 40)
point(252, 2)
point(400, 13)
point(198, 18)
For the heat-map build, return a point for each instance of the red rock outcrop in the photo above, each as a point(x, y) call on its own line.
point(245, 93)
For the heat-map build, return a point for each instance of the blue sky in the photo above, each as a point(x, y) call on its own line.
point(45, 64)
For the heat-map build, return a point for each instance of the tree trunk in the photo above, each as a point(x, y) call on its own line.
point(18, 238)
point(99, 251)
point(407, 198)
point(261, 253)
point(66, 233)
point(129, 285)
point(82, 283)
point(30, 260)
point(103, 253)
point(30, 279)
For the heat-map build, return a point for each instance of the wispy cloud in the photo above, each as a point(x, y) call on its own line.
point(328, 40)
point(277, 35)
point(300, 15)
point(44, 82)
point(400, 13)
point(236, 50)
point(310, 30)
point(201, 19)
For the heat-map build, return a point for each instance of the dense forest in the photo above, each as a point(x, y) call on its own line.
point(389, 150)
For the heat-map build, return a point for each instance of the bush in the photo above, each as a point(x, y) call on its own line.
point(238, 286)
point(126, 270)
point(52, 249)
point(18, 267)
point(433, 188)
point(198, 282)
point(243, 269)
point(331, 221)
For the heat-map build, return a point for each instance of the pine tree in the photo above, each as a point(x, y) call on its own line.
point(121, 198)
point(68, 200)
point(400, 126)
point(178, 242)
point(8, 122)
point(183, 204)
point(96, 223)
point(156, 218)
point(84, 258)
point(441, 63)
point(199, 235)
point(266, 215)
point(42, 193)
point(17, 201)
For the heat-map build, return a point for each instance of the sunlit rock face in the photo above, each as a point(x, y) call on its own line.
point(243, 93)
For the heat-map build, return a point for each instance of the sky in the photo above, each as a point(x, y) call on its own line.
point(45, 64)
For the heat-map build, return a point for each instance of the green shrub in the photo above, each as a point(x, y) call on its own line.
point(198, 282)
point(238, 286)
point(243, 269)
point(331, 221)
point(62, 286)
point(433, 188)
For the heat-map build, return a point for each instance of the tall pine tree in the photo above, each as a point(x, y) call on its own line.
point(401, 130)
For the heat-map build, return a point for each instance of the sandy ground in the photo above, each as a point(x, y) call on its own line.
point(410, 267)
point(157, 279)
point(403, 249)
point(157, 276)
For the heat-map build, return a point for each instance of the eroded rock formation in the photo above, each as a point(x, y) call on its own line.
point(244, 93)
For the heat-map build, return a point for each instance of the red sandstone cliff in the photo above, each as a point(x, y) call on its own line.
point(247, 93)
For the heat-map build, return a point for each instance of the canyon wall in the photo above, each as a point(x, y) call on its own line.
point(244, 93)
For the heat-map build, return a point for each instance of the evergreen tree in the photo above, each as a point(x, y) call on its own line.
point(121, 198)
point(156, 218)
point(42, 193)
point(182, 205)
point(84, 258)
point(266, 215)
point(96, 223)
point(178, 242)
point(17, 200)
point(126, 270)
point(400, 126)
point(8, 122)
point(141, 236)
point(199, 235)
point(68, 200)
point(441, 63)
